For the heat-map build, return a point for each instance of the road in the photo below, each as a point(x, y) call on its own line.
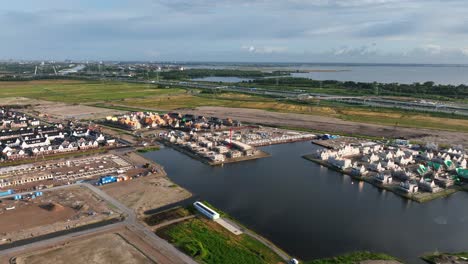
point(169, 254)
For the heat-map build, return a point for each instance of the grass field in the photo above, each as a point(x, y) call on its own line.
point(352, 258)
point(208, 242)
point(127, 96)
point(79, 91)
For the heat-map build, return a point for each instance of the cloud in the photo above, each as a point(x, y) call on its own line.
point(275, 30)
point(432, 49)
point(264, 50)
point(355, 51)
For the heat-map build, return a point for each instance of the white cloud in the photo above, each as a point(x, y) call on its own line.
point(264, 50)
point(464, 51)
point(432, 49)
point(363, 50)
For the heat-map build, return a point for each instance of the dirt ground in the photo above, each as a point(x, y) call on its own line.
point(106, 248)
point(332, 125)
point(52, 212)
point(58, 111)
point(146, 193)
point(21, 218)
point(67, 111)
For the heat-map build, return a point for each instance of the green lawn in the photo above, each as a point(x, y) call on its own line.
point(210, 243)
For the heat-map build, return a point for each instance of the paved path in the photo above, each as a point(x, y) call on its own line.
point(173, 221)
point(168, 251)
point(230, 227)
point(262, 240)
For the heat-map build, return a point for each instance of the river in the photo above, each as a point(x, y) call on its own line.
point(313, 212)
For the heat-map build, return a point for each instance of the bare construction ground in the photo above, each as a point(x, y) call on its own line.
point(146, 193)
point(54, 211)
point(104, 248)
point(55, 111)
point(66, 111)
point(331, 124)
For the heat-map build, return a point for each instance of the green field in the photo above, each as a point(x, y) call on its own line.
point(208, 242)
point(352, 258)
point(81, 92)
point(139, 97)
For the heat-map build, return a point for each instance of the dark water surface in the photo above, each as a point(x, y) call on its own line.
point(313, 212)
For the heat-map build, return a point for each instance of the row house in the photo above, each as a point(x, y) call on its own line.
point(371, 159)
point(83, 145)
point(80, 132)
point(408, 187)
point(35, 142)
point(383, 178)
point(427, 186)
point(326, 154)
point(13, 154)
point(376, 167)
point(403, 174)
point(54, 135)
point(402, 161)
point(340, 162)
point(24, 180)
point(348, 150)
point(12, 142)
point(22, 132)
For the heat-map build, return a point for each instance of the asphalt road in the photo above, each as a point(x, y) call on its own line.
point(169, 253)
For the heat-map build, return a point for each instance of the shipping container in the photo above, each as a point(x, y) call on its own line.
point(8, 192)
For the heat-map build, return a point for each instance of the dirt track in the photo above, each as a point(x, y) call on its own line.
point(332, 125)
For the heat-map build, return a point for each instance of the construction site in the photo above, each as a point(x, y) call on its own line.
point(36, 176)
point(230, 145)
point(40, 213)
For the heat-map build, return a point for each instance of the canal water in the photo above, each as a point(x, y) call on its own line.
point(313, 212)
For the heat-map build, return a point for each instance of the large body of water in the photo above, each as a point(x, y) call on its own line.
point(441, 74)
point(392, 74)
point(313, 212)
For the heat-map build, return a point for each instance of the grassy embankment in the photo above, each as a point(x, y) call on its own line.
point(168, 215)
point(208, 242)
point(148, 149)
point(438, 257)
point(126, 96)
point(352, 258)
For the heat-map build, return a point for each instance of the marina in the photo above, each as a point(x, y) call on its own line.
point(325, 212)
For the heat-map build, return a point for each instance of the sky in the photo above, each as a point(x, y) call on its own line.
point(360, 31)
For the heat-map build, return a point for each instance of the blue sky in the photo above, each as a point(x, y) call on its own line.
point(395, 31)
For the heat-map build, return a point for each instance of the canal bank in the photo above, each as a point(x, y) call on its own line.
point(313, 212)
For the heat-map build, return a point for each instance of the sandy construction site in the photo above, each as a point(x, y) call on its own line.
point(108, 248)
point(331, 124)
point(54, 211)
point(146, 193)
point(56, 111)
point(118, 246)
